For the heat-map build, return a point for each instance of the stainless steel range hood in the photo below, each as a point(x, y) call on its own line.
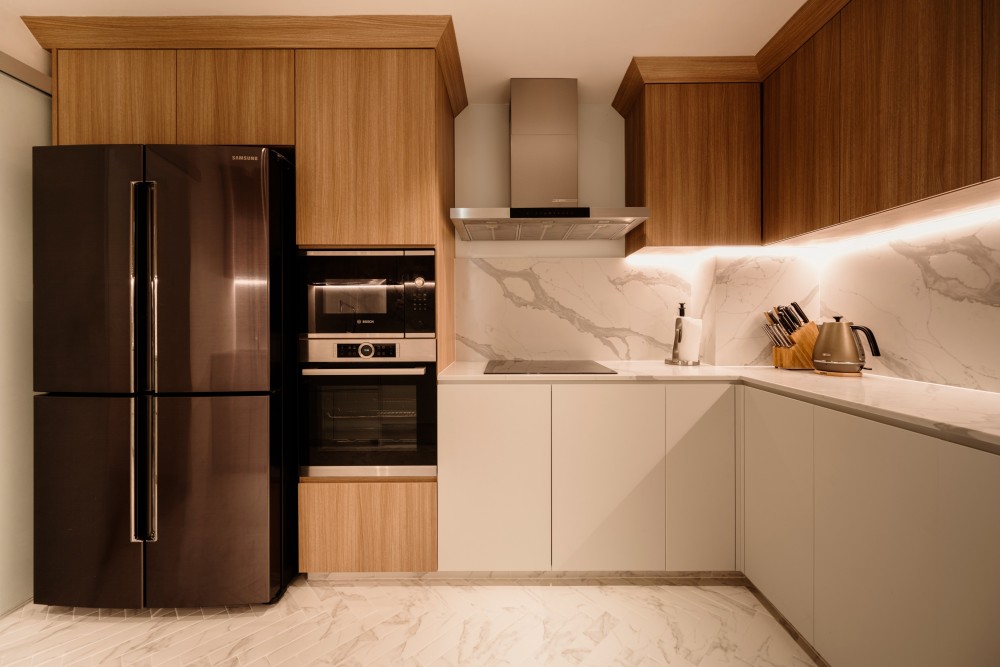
point(543, 176)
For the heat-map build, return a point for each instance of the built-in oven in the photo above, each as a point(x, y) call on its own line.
point(367, 359)
point(369, 407)
point(370, 293)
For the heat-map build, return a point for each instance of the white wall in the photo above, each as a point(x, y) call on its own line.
point(16, 41)
point(25, 121)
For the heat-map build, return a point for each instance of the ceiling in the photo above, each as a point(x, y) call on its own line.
point(591, 41)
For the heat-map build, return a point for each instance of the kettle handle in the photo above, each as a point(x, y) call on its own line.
point(870, 336)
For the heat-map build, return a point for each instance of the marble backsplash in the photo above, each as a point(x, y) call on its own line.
point(934, 305)
point(742, 288)
point(565, 308)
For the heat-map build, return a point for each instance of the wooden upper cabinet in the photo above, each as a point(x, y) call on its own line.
point(695, 150)
point(367, 158)
point(911, 101)
point(801, 145)
point(235, 96)
point(991, 89)
point(115, 96)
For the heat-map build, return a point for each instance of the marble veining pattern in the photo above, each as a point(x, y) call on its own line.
point(566, 308)
point(933, 304)
point(742, 289)
point(420, 621)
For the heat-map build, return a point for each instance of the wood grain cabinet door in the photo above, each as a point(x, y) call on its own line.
point(991, 89)
point(367, 526)
point(235, 96)
point(115, 96)
point(367, 154)
point(700, 146)
point(911, 101)
point(801, 143)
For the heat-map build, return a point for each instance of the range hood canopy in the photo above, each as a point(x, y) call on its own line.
point(543, 176)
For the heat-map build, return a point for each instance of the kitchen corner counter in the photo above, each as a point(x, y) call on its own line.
point(964, 416)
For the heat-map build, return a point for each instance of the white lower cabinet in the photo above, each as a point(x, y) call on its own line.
point(608, 477)
point(967, 602)
point(778, 503)
point(598, 477)
point(701, 477)
point(907, 547)
point(494, 477)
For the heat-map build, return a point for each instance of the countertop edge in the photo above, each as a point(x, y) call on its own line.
point(961, 432)
point(953, 433)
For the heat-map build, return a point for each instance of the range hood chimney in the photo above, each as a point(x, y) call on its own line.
point(544, 173)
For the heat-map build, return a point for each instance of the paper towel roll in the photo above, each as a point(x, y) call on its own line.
point(689, 349)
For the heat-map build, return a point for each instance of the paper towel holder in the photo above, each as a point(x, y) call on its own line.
point(678, 335)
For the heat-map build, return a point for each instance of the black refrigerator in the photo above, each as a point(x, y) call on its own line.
point(162, 474)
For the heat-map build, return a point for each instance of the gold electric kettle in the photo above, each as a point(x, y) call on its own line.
point(838, 347)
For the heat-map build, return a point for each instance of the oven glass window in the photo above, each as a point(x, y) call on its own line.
point(371, 419)
point(362, 417)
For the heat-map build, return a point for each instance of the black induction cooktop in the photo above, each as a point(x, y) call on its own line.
point(560, 366)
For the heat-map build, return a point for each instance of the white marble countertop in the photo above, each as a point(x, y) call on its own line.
point(965, 416)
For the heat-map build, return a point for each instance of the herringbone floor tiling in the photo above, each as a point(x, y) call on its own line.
point(417, 622)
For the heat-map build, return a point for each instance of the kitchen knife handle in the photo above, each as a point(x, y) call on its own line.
point(769, 335)
point(781, 320)
point(788, 339)
point(786, 319)
point(793, 316)
point(801, 313)
point(776, 340)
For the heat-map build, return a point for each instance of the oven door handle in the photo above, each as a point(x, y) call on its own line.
point(417, 370)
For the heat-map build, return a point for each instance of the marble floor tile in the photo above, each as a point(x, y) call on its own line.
point(421, 622)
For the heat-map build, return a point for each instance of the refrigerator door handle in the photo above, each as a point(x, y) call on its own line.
point(134, 530)
point(153, 279)
point(133, 203)
point(154, 490)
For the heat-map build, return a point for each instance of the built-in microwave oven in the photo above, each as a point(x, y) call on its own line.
point(367, 362)
point(371, 293)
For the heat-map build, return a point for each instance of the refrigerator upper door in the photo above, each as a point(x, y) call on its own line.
point(84, 550)
point(218, 504)
point(210, 292)
point(83, 259)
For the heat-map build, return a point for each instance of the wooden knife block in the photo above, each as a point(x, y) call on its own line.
point(800, 355)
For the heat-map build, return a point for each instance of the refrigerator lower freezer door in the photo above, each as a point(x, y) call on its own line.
point(84, 556)
point(217, 531)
